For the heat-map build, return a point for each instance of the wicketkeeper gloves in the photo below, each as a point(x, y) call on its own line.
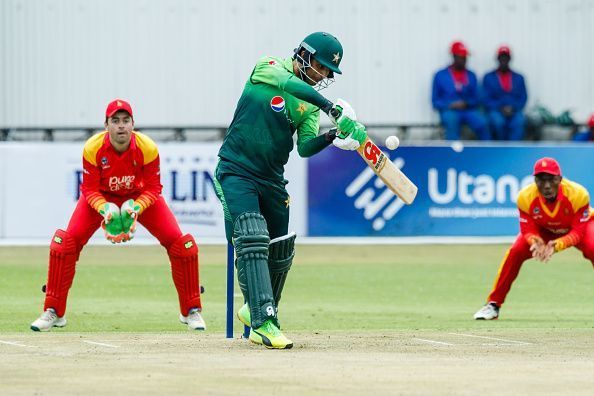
point(112, 223)
point(129, 215)
point(119, 225)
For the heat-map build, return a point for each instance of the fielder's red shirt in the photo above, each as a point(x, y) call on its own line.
point(134, 173)
point(566, 217)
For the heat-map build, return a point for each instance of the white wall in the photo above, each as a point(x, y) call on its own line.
point(184, 62)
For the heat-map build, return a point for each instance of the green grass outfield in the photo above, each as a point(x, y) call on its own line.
point(331, 287)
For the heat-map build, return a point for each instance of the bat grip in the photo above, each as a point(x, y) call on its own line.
point(334, 113)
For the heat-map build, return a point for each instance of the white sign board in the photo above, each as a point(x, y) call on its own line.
point(39, 188)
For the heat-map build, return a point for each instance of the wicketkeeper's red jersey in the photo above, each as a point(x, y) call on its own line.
point(566, 217)
point(133, 173)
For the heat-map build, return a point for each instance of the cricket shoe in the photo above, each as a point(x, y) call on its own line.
point(47, 320)
point(270, 336)
point(244, 315)
point(488, 312)
point(194, 320)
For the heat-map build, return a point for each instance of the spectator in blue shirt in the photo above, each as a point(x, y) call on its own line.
point(504, 98)
point(586, 135)
point(455, 95)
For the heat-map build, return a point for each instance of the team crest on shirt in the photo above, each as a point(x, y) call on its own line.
point(585, 216)
point(104, 164)
point(277, 104)
point(536, 210)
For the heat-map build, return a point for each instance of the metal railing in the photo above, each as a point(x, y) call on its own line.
point(177, 133)
point(181, 133)
point(409, 131)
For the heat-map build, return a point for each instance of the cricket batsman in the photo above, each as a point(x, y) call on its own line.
point(121, 186)
point(280, 99)
point(554, 215)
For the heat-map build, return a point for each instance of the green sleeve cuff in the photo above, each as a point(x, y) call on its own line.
point(315, 145)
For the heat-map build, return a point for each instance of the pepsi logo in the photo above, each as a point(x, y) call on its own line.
point(277, 104)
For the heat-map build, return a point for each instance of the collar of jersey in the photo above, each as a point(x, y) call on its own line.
point(545, 208)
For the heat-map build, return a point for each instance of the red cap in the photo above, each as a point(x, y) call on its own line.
point(591, 121)
point(503, 50)
point(117, 105)
point(459, 49)
point(547, 165)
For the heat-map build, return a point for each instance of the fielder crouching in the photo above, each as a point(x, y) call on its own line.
point(554, 215)
point(121, 185)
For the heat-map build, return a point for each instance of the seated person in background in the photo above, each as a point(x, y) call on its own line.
point(586, 135)
point(504, 98)
point(455, 95)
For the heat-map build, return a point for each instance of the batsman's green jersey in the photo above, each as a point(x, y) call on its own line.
point(274, 105)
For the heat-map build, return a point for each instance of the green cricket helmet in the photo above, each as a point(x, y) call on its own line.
point(325, 48)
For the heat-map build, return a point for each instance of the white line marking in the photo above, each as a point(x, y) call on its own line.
point(492, 338)
point(101, 344)
point(434, 342)
point(16, 343)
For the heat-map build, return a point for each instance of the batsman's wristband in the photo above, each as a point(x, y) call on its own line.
point(330, 135)
point(328, 109)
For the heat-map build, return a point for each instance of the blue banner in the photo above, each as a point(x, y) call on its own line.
point(463, 190)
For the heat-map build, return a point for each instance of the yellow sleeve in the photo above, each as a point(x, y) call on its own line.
point(576, 194)
point(92, 145)
point(147, 146)
point(526, 196)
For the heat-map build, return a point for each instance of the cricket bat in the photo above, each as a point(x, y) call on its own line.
point(380, 163)
point(389, 173)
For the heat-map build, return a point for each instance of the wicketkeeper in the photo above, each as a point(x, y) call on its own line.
point(121, 186)
point(554, 215)
point(279, 100)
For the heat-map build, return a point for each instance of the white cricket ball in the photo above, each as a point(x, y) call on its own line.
point(392, 142)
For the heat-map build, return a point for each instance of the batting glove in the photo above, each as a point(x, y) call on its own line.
point(343, 116)
point(353, 140)
point(112, 222)
point(359, 133)
point(347, 143)
point(129, 215)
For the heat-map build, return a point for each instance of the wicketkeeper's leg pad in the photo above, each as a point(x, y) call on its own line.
point(183, 254)
point(280, 258)
point(250, 239)
point(64, 251)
